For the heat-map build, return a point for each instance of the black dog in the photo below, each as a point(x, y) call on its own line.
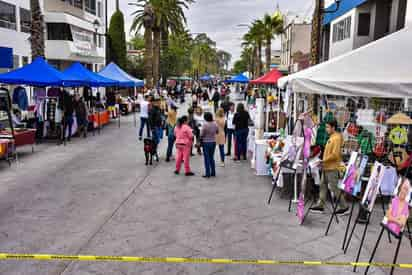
point(149, 150)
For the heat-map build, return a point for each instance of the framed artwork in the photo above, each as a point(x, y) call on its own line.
point(351, 182)
point(398, 213)
point(372, 189)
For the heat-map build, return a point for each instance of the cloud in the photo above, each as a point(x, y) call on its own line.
point(219, 18)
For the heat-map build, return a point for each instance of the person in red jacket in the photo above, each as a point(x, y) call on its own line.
point(184, 139)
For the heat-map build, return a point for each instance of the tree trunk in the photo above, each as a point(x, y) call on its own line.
point(148, 57)
point(156, 57)
point(37, 30)
point(254, 62)
point(268, 53)
point(164, 48)
point(316, 32)
point(259, 57)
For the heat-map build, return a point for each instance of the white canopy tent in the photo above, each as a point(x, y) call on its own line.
point(382, 68)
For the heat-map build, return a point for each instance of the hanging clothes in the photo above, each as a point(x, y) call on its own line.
point(20, 98)
point(389, 181)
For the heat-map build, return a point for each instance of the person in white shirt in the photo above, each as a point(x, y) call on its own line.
point(144, 115)
point(230, 128)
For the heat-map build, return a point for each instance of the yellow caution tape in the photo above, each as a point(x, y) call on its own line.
point(89, 258)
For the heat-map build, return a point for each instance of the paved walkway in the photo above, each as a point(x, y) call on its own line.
point(95, 196)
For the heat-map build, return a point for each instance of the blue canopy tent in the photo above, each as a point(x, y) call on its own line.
point(240, 78)
point(88, 78)
point(206, 77)
point(112, 71)
point(38, 73)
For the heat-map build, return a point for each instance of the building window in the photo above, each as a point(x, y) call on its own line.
point(59, 31)
point(75, 3)
point(16, 63)
point(99, 9)
point(7, 16)
point(25, 60)
point(91, 6)
point(342, 29)
point(25, 20)
point(364, 24)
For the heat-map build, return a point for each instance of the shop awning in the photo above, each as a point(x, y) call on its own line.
point(240, 78)
point(85, 77)
point(38, 73)
point(379, 69)
point(112, 71)
point(206, 77)
point(269, 78)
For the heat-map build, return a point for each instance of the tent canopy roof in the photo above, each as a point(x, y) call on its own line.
point(38, 73)
point(378, 69)
point(240, 78)
point(269, 78)
point(87, 78)
point(206, 77)
point(112, 71)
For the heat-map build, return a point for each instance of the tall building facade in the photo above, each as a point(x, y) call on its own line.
point(295, 45)
point(359, 22)
point(74, 31)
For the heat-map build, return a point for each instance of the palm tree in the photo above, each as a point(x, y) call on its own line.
point(273, 25)
point(257, 34)
point(145, 17)
point(37, 30)
point(316, 32)
point(168, 15)
point(223, 59)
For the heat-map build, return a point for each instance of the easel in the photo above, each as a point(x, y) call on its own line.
point(399, 237)
point(369, 213)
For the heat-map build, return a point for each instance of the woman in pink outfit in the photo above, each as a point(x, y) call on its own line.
point(184, 139)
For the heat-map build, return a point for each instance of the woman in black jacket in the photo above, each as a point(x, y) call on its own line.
point(241, 122)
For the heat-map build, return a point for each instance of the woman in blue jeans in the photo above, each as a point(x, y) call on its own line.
point(241, 122)
point(208, 138)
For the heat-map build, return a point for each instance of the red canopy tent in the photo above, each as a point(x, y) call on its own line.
point(269, 78)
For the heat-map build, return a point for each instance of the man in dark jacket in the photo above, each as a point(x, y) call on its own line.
point(81, 115)
point(155, 122)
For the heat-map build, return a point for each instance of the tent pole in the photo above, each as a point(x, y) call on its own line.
point(277, 117)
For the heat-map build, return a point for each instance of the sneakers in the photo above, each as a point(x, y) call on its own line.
point(222, 164)
point(176, 172)
point(317, 208)
point(342, 211)
point(189, 174)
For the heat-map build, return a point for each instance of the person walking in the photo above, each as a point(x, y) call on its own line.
point(230, 131)
point(155, 122)
point(144, 116)
point(208, 137)
point(220, 137)
point(215, 99)
point(184, 140)
point(170, 124)
point(241, 123)
point(332, 158)
point(81, 111)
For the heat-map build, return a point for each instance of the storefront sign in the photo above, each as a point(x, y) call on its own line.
point(6, 58)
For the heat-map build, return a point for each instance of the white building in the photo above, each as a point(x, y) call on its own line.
point(358, 22)
point(295, 40)
point(74, 31)
point(15, 21)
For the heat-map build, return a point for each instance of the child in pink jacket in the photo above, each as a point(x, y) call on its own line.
point(184, 139)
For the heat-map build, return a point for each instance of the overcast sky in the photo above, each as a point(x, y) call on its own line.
point(219, 18)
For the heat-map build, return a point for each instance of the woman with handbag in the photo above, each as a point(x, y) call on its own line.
point(184, 139)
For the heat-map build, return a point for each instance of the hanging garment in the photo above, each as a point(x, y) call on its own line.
point(389, 180)
point(20, 98)
point(366, 142)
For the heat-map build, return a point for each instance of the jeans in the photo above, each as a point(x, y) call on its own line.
point(144, 121)
point(209, 157)
point(230, 135)
point(156, 138)
point(68, 122)
point(170, 141)
point(222, 152)
point(241, 140)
